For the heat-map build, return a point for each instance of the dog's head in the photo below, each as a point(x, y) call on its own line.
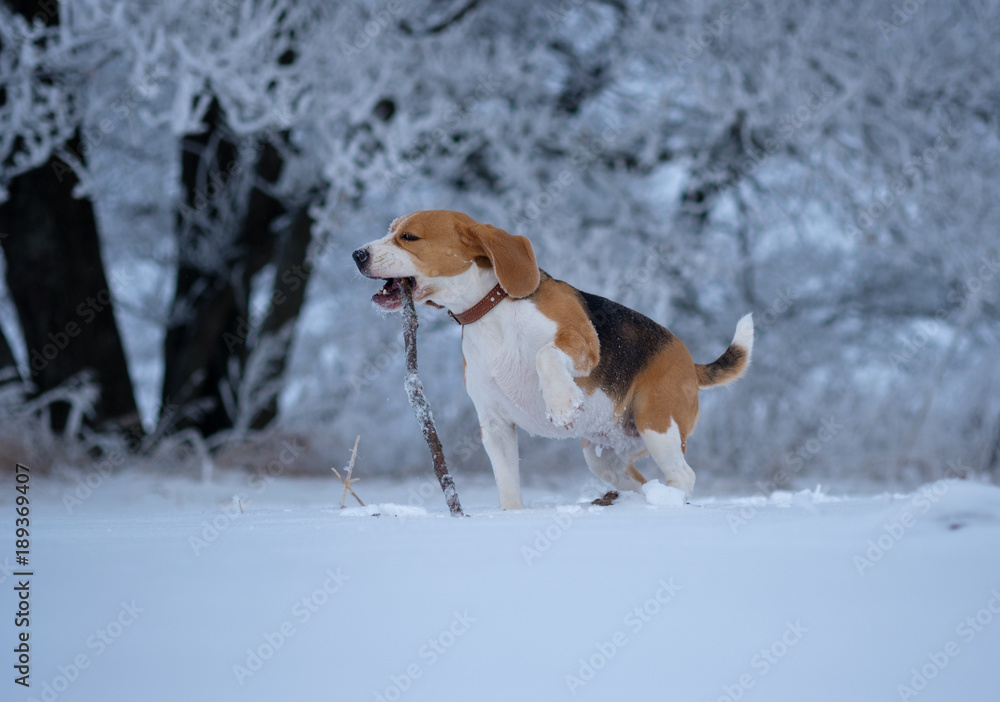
point(449, 257)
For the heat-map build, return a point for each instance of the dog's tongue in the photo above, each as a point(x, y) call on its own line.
point(389, 297)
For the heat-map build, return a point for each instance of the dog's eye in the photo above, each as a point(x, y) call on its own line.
point(409, 237)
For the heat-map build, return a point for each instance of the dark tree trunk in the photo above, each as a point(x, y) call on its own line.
point(44, 11)
point(212, 325)
point(56, 278)
point(292, 272)
point(8, 366)
point(205, 294)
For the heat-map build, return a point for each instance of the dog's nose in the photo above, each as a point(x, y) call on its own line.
point(360, 258)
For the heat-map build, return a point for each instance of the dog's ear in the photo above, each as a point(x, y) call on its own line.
point(512, 257)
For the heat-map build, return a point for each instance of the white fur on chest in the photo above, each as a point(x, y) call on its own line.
point(501, 374)
point(501, 377)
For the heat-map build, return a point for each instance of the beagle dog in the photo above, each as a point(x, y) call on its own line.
point(541, 355)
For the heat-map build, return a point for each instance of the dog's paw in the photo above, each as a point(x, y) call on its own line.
point(566, 415)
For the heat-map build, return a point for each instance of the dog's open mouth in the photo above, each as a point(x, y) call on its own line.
point(390, 297)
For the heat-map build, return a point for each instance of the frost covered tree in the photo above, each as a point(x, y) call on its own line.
point(235, 218)
point(54, 269)
point(832, 168)
point(238, 219)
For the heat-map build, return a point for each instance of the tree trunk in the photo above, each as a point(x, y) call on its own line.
point(56, 278)
point(44, 11)
point(205, 296)
point(212, 326)
point(8, 366)
point(292, 272)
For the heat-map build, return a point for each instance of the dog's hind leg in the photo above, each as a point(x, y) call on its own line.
point(609, 467)
point(666, 450)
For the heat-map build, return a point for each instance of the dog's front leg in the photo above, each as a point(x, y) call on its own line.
point(500, 442)
point(563, 397)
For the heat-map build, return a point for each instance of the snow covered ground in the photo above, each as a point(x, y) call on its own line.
point(153, 588)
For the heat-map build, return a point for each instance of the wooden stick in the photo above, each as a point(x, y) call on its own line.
point(422, 408)
point(350, 469)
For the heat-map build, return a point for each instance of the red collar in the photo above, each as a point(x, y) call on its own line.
point(477, 311)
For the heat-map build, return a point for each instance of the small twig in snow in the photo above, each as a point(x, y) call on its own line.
point(347, 485)
point(350, 469)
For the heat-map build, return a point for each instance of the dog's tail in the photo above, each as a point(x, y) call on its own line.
point(730, 365)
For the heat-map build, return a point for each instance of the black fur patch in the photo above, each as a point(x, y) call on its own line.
point(629, 341)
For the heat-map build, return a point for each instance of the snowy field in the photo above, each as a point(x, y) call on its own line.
point(160, 589)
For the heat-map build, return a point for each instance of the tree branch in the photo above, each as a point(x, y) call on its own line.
point(422, 408)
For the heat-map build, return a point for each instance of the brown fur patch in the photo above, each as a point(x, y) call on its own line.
point(575, 335)
point(666, 391)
